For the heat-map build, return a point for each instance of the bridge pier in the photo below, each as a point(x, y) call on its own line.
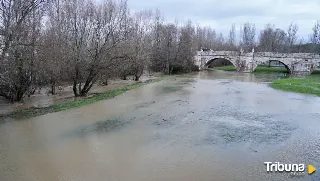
point(302, 68)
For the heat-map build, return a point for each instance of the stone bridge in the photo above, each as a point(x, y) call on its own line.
point(296, 63)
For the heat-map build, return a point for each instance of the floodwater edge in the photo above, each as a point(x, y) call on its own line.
point(309, 85)
point(39, 111)
point(304, 85)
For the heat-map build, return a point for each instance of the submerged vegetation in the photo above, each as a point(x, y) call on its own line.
point(309, 85)
point(34, 111)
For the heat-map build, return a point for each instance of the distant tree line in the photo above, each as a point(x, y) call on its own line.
point(44, 42)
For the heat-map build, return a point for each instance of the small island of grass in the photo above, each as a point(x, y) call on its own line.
point(309, 85)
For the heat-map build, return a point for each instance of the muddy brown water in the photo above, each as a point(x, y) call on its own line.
point(208, 126)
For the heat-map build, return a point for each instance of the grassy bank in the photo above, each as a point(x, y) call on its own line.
point(33, 111)
point(258, 69)
point(307, 85)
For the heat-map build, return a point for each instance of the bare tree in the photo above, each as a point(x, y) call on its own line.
point(205, 38)
point(85, 41)
point(174, 47)
point(184, 57)
point(248, 37)
point(315, 37)
point(19, 30)
point(156, 58)
point(273, 40)
point(139, 46)
point(232, 38)
point(300, 46)
point(292, 36)
point(220, 43)
point(94, 35)
point(54, 45)
point(168, 47)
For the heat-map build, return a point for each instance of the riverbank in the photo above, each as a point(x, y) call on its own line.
point(309, 85)
point(38, 111)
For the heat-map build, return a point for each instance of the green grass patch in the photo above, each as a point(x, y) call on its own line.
point(259, 69)
point(33, 111)
point(270, 69)
point(309, 85)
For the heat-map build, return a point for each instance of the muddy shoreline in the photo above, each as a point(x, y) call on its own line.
point(42, 102)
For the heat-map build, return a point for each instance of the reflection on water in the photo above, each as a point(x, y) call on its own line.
point(208, 125)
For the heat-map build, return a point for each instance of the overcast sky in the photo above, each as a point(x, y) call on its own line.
point(220, 14)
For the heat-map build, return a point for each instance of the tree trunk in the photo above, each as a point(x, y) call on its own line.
point(86, 89)
point(136, 77)
point(75, 81)
point(53, 88)
point(33, 91)
point(75, 90)
point(167, 71)
point(19, 95)
point(88, 85)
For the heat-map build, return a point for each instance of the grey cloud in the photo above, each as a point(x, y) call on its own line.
point(220, 14)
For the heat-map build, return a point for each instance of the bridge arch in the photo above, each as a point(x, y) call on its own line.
point(288, 68)
point(296, 63)
point(212, 59)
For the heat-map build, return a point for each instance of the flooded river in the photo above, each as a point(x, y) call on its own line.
point(204, 126)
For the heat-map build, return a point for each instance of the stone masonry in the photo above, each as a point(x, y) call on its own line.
point(296, 63)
